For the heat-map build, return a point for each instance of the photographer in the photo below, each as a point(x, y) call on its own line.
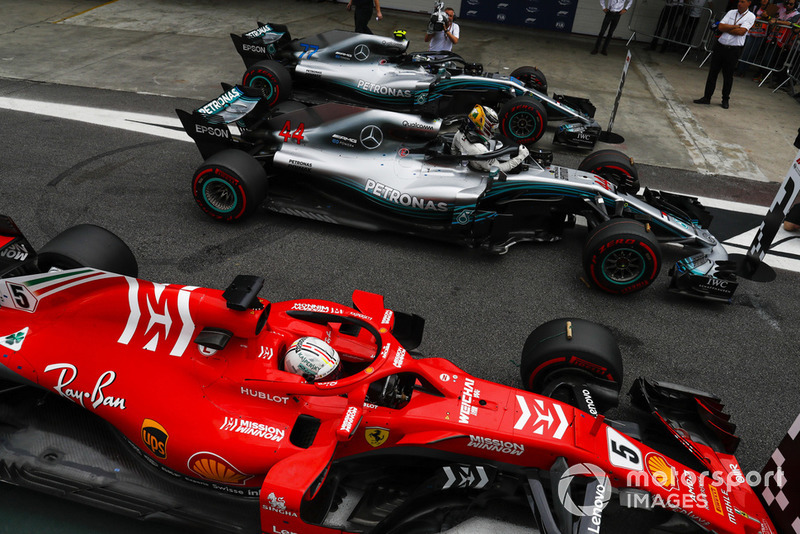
point(443, 32)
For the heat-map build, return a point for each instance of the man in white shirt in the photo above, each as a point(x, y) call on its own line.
point(447, 37)
point(614, 9)
point(734, 27)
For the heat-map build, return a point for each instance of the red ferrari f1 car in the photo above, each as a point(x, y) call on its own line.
point(176, 403)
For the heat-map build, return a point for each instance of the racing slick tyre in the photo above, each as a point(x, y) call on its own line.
point(615, 167)
point(230, 185)
point(621, 256)
point(87, 245)
point(562, 349)
point(272, 78)
point(532, 78)
point(523, 120)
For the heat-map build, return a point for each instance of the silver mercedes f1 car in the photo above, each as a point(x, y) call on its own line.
point(383, 170)
point(341, 66)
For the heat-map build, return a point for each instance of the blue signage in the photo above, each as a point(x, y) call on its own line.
point(556, 15)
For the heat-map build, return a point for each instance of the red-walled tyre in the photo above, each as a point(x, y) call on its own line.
point(532, 78)
point(230, 185)
point(272, 78)
point(570, 347)
point(523, 120)
point(621, 256)
point(615, 167)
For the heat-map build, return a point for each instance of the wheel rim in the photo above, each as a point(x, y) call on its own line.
point(623, 266)
point(522, 125)
point(263, 83)
point(220, 195)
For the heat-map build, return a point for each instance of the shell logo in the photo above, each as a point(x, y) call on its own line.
point(212, 467)
point(662, 472)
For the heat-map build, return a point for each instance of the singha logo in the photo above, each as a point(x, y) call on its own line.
point(276, 502)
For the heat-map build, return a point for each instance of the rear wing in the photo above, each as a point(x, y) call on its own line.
point(261, 43)
point(208, 124)
point(17, 256)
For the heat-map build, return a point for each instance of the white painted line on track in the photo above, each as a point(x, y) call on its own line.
point(787, 244)
point(135, 122)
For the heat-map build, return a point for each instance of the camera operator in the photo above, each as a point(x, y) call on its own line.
point(442, 35)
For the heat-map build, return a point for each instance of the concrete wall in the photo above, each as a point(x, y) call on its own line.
point(587, 17)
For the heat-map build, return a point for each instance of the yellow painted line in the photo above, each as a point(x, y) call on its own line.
point(84, 11)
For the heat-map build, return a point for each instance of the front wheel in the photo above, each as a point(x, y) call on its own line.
point(573, 361)
point(532, 78)
point(615, 167)
point(230, 185)
point(621, 256)
point(87, 245)
point(523, 120)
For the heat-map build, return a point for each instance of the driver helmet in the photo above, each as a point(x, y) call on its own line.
point(399, 34)
point(483, 121)
point(313, 359)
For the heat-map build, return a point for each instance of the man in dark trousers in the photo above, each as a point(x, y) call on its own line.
point(363, 12)
point(614, 9)
point(734, 27)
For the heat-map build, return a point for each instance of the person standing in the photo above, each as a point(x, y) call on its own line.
point(734, 27)
point(614, 9)
point(447, 37)
point(363, 12)
point(667, 24)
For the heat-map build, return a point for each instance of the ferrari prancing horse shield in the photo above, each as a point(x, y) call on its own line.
point(376, 436)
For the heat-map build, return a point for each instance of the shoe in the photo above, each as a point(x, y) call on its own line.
point(604, 52)
point(725, 104)
point(593, 52)
point(703, 100)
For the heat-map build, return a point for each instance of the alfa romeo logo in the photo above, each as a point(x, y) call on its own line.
point(371, 137)
point(361, 52)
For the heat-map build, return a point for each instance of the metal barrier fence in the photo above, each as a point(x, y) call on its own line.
point(679, 24)
point(792, 68)
point(769, 47)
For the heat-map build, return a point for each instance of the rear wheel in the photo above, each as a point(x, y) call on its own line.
point(272, 78)
point(621, 256)
point(230, 185)
point(532, 78)
point(523, 120)
point(615, 167)
point(573, 361)
point(87, 245)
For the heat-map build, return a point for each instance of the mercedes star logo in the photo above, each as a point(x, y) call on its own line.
point(361, 52)
point(371, 137)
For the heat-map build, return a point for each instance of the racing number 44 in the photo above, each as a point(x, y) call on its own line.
point(287, 133)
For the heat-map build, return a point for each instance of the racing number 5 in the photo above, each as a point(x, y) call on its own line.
point(288, 134)
point(19, 294)
point(625, 452)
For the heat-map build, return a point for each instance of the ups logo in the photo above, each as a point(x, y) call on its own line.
point(155, 438)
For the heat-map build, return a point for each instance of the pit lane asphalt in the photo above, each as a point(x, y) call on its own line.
point(479, 309)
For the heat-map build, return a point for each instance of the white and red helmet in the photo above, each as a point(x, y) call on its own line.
point(313, 359)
